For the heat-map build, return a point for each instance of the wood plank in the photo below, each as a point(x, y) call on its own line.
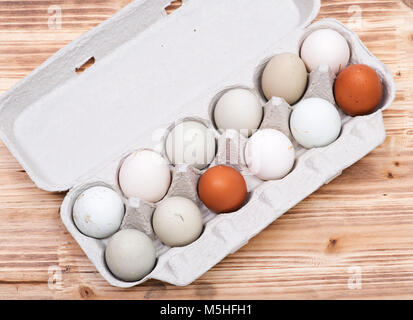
point(362, 221)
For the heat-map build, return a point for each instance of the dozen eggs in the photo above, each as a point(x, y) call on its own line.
point(269, 154)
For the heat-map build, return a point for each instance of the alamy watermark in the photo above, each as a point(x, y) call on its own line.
point(356, 19)
point(355, 280)
point(55, 18)
point(55, 278)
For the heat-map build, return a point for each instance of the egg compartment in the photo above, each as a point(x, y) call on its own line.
point(70, 131)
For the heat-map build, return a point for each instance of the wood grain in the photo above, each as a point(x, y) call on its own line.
point(362, 221)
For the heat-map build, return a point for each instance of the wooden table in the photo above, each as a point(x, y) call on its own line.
point(359, 227)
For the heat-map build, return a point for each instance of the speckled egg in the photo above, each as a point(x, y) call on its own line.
point(358, 90)
point(98, 212)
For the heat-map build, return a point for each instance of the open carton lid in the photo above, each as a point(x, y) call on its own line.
point(62, 126)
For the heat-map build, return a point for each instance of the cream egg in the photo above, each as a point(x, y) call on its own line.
point(239, 109)
point(269, 154)
point(315, 123)
point(325, 47)
point(130, 255)
point(192, 143)
point(98, 212)
point(285, 76)
point(177, 222)
point(145, 175)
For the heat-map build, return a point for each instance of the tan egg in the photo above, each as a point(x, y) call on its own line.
point(285, 76)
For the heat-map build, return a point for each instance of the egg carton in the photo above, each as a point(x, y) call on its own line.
point(72, 132)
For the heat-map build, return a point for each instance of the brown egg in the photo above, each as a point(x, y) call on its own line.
point(358, 90)
point(222, 189)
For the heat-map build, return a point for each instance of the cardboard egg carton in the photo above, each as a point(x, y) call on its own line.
point(71, 131)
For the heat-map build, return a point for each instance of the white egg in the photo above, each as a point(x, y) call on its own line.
point(269, 154)
point(325, 47)
point(98, 212)
point(130, 255)
point(145, 175)
point(238, 109)
point(191, 142)
point(315, 123)
point(177, 222)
